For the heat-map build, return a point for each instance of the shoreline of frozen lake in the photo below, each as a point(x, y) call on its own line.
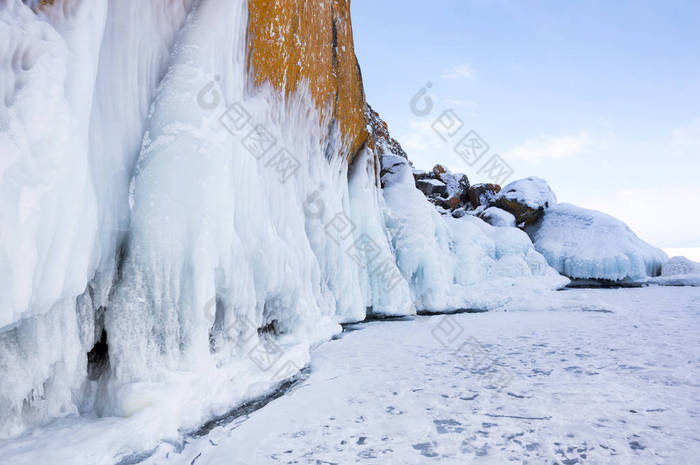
point(573, 377)
point(615, 380)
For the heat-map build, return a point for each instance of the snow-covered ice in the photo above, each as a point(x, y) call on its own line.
point(498, 217)
point(678, 271)
point(589, 244)
point(678, 266)
point(608, 377)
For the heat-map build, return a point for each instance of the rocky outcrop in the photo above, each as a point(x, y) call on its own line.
point(482, 194)
point(432, 187)
point(381, 142)
point(526, 199)
point(446, 190)
point(380, 139)
point(521, 202)
point(292, 42)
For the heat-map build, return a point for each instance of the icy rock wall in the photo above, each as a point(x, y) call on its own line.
point(135, 217)
point(164, 212)
point(214, 219)
point(48, 206)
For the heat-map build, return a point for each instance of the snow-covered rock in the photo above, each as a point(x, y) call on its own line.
point(431, 186)
point(446, 190)
point(482, 194)
point(457, 183)
point(497, 217)
point(526, 199)
point(677, 266)
point(457, 263)
point(678, 271)
point(588, 244)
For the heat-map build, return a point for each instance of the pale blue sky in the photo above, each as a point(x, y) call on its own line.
point(600, 98)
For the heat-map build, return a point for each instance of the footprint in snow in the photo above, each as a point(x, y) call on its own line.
point(426, 449)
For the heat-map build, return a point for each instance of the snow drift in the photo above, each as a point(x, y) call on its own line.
point(678, 271)
point(497, 217)
point(587, 244)
point(578, 243)
point(679, 266)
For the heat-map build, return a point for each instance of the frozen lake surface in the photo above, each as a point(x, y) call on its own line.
point(583, 377)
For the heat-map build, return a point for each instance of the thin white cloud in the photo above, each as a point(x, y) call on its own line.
point(420, 138)
point(691, 253)
point(661, 214)
point(425, 148)
point(459, 103)
point(550, 147)
point(463, 71)
point(685, 141)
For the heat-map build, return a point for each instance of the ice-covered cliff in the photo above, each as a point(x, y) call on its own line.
point(190, 198)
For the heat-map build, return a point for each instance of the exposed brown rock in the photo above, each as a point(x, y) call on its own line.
point(418, 174)
point(482, 194)
point(439, 170)
point(317, 47)
point(443, 188)
point(451, 204)
point(381, 141)
point(454, 202)
point(431, 187)
point(524, 215)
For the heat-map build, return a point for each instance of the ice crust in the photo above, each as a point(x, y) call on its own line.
point(589, 244)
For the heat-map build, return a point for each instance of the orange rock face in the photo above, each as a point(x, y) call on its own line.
point(293, 41)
